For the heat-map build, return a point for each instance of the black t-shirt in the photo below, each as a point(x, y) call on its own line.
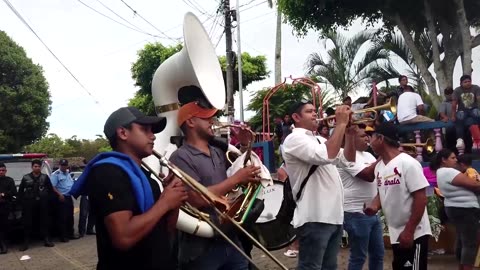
point(110, 191)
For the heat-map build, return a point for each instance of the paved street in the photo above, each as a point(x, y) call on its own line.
point(81, 254)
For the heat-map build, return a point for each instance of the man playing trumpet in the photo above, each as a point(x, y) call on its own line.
point(207, 164)
point(318, 216)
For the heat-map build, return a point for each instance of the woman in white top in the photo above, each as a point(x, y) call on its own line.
point(461, 205)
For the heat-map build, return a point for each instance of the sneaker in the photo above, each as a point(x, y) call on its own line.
point(460, 143)
point(290, 253)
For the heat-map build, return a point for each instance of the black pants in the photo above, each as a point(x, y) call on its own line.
point(466, 222)
point(414, 258)
point(86, 220)
point(65, 217)
point(31, 207)
point(4, 211)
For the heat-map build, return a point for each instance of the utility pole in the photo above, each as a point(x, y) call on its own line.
point(239, 62)
point(229, 56)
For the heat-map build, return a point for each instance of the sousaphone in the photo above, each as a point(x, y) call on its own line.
point(195, 65)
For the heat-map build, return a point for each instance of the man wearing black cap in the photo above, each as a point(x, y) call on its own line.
point(62, 182)
point(135, 220)
point(402, 197)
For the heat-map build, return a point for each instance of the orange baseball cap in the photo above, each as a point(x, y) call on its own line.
point(191, 110)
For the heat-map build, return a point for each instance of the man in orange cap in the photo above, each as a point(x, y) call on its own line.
point(206, 163)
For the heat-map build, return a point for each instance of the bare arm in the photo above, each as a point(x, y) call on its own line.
point(418, 207)
point(368, 173)
point(243, 175)
point(126, 229)
point(350, 150)
point(464, 181)
point(421, 109)
point(454, 109)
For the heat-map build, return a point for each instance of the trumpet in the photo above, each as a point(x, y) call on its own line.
point(219, 205)
point(428, 145)
point(361, 119)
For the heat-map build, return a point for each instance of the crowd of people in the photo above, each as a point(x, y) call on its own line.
point(46, 206)
point(341, 177)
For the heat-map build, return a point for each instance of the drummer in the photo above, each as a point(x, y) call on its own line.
point(205, 163)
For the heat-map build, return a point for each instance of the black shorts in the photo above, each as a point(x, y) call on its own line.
point(414, 258)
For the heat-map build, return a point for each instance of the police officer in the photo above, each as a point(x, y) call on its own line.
point(62, 182)
point(34, 193)
point(8, 191)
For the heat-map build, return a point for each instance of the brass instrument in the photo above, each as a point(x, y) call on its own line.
point(218, 204)
point(241, 205)
point(429, 146)
point(391, 105)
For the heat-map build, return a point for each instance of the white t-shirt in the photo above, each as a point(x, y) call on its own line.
point(322, 197)
point(396, 181)
point(407, 106)
point(455, 196)
point(357, 191)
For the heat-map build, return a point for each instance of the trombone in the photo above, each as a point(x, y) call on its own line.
point(428, 145)
point(217, 203)
point(391, 105)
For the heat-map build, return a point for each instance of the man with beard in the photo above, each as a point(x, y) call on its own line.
point(207, 163)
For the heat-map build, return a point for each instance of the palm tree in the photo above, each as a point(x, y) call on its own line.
point(396, 44)
point(278, 45)
point(343, 71)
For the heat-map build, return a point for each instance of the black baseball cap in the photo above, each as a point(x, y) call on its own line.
point(127, 115)
point(388, 130)
point(63, 162)
point(294, 107)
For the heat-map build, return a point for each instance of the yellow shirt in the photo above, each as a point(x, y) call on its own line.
point(473, 174)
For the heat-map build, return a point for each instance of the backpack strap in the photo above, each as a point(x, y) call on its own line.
point(304, 182)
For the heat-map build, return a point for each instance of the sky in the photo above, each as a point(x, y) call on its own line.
point(100, 52)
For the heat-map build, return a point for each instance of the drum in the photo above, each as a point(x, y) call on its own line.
point(269, 231)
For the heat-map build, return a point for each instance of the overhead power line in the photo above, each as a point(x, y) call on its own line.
point(12, 8)
point(123, 19)
point(253, 6)
point(141, 17)
point(110, 18)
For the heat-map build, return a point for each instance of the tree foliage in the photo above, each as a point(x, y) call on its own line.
point(345, 68)
point(56, 147)
point(152, 55)
point(254, 68)
point(446, 22)
point(25, 100)
point(281, 101)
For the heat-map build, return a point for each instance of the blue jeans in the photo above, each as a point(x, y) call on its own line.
point(365, 236)
point(465, 118)
point(220, 256)
point(319, 244)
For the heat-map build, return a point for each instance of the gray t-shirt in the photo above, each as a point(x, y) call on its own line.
point(455, 196)
point(446, 108)
point(467, 99)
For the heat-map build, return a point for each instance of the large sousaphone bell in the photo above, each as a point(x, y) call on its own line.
point(195, 65)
